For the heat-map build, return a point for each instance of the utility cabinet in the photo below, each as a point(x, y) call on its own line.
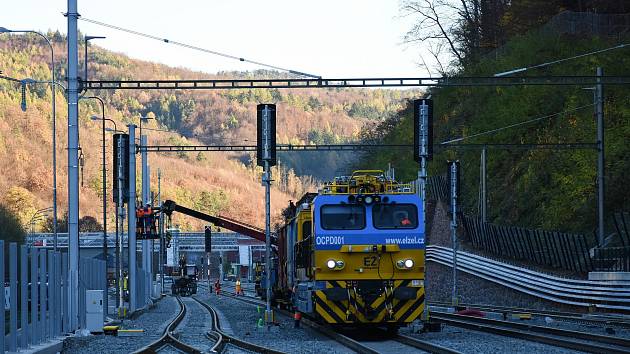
point(94, 310)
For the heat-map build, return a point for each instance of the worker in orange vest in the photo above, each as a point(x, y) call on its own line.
point(239, 290)
point(139, 222)
point(217, 287)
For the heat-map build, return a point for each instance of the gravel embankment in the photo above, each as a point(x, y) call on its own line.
point(153, 322)
point(242, 319)
point(439, 233)
point(472, 289)
point(473, 342)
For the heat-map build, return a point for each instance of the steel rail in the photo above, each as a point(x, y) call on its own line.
point(167, 339)
point(608, 320)
point(563, 338)
point(424, 345)
point(223, 339)
point(583, 293)
point(350, 342)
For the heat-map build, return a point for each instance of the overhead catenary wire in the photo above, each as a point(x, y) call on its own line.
point(515, 71)
point(516, 124)
point(189, 46)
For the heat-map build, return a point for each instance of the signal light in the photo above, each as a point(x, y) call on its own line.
point(208, 239)
point(423, 129)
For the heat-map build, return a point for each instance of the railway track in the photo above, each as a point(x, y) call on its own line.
point(223, 339)
point(167, 340)
point(214, 340)
point(576, 340)
point(398, 343)
point(600, 320)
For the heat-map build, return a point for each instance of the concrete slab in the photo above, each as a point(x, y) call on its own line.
point(50, 347)
point(609, 276)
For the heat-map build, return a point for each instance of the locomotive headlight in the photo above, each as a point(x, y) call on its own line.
point(404, 263)
point(340, 264)
point(331, 264)
point(368, 200)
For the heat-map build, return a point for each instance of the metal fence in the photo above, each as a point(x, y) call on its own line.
point(37, 294)
point(547, 248)
point(622, 225)
point(437, 188)
point(611, 259)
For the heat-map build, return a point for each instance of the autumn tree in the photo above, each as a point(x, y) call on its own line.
point(12, 229)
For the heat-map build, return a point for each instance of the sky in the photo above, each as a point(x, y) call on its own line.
point(329, 38)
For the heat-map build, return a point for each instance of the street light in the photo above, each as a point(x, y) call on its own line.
point(54, 124)
point(39, 215)
point(114, 131)
point(85, 59)
point(103, 119)
point(107, 119)
point(141, 120)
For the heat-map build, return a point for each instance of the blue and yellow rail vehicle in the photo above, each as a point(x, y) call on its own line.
point(353, 254)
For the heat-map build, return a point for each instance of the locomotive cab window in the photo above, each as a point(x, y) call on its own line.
point(395, 216)
point(343, 217)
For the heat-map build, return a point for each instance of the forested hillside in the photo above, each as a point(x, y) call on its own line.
point(553, 189)
point(215, 182)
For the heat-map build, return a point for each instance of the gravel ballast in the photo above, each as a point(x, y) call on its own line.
point(153, 321)
point(243, 319)
point(474, 342)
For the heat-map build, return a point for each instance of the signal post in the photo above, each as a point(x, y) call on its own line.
point(423, 149)
point(266, 157)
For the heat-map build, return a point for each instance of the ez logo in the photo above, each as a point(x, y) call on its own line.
point(370, 261)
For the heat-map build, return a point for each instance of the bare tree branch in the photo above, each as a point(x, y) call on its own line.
point(432, 25)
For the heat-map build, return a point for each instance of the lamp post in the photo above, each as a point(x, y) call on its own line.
point(103, 119)
point(104, 158)
point(147, 245)
point(39, 215)
point(105, 257)
point(85, 58)
point(119, 228)
point(54, 124)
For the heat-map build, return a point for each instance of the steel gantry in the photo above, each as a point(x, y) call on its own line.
point(226, 84)
point(364, 147)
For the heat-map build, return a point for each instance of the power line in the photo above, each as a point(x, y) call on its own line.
point(189, 46)
point(515, 71)
point(516, 124)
